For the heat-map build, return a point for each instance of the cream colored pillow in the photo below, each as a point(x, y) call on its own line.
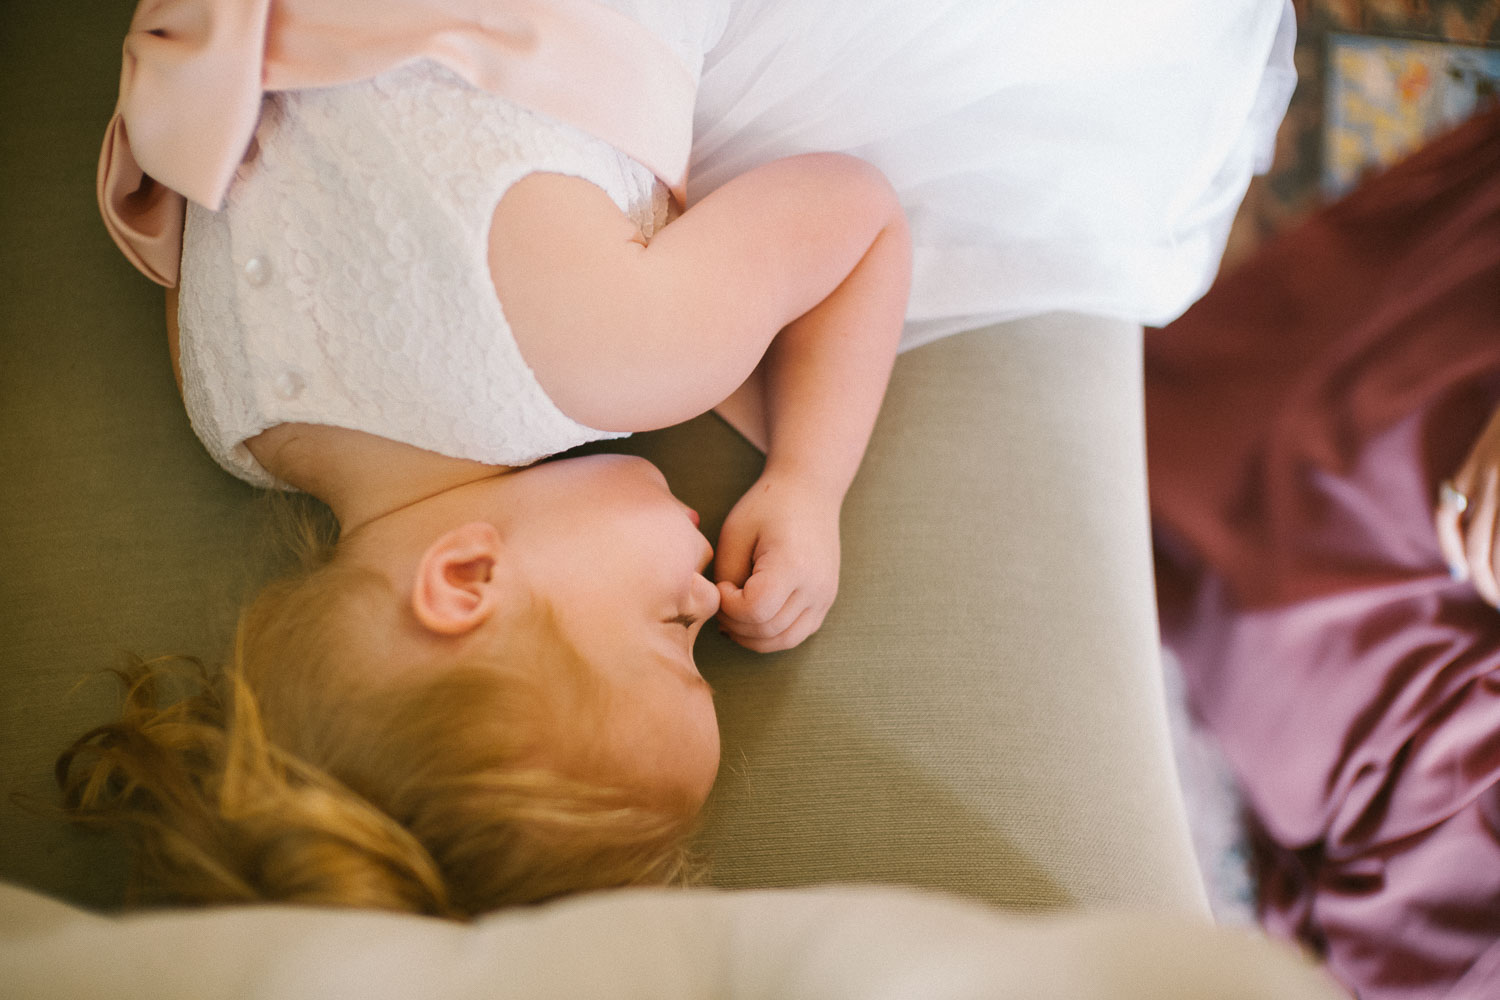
point(828, 944)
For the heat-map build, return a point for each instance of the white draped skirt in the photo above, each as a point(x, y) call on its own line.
point(1082, 155)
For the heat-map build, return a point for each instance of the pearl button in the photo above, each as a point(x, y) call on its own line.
point(288, 385)
point(257, 271)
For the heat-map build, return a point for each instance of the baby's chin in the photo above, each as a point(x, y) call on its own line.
point(673, 772)
point(683, 784)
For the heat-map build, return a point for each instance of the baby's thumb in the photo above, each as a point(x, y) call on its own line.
point(731, 599)
point(733, 557)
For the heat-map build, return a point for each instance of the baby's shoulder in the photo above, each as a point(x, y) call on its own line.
point(563, 259)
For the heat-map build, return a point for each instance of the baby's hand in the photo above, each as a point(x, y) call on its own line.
point(778, 564)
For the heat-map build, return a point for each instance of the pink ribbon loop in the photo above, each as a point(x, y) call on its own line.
point(194, 72)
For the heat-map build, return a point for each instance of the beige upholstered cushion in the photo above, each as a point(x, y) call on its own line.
point(837, 944)
point(981, 712)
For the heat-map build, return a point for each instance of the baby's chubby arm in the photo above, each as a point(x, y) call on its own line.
point(824, 377)
point(630, 336)
point(804, 262)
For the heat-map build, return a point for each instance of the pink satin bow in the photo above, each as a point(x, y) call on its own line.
point(194, 72)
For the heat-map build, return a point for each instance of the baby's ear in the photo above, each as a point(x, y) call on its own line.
point(456, 589)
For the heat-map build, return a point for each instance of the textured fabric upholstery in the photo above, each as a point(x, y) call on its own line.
point(818, 944)
point(981, 712)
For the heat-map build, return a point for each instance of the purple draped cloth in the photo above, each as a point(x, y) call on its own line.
point(1299, 419)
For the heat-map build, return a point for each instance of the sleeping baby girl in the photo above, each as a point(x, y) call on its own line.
point(408, 289)
point(419, 248)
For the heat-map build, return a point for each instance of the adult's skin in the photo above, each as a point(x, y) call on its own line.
point(1467, 515)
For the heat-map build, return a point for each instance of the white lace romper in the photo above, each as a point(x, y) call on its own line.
point(345, 280)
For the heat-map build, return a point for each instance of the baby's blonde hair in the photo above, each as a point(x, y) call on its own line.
point(294, 776)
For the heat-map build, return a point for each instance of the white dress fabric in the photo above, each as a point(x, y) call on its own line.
point(346, 279)
point(1078, 155)
point(1075, 155)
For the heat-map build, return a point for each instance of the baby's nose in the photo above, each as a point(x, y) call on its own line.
point(705, 592)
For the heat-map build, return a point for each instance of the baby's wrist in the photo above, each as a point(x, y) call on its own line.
point(811, 486)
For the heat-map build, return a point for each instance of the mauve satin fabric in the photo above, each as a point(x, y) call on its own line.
point(1299, 419)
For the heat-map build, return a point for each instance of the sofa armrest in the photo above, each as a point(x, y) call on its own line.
point(982, 711)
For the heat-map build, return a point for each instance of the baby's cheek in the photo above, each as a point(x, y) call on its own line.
point(696, 754)
point(662, 736)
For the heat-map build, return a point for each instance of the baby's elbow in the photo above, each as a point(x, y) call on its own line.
point(863, 180)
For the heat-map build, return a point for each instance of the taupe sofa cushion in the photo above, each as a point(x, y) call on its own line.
point(980, 713)
point(982, 710)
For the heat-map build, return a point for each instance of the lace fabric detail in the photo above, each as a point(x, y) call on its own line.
point(345, 281)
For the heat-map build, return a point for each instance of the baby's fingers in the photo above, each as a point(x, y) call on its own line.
point(758, 602)
point(779, 623)
point(733, 555)
point(805, 624)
